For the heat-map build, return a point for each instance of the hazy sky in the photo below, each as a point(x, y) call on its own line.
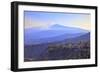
point(46, 19)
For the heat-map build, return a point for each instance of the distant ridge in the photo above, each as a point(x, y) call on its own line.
point(57, 26)
point(55, 33)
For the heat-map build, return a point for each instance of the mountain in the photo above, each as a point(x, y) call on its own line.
point(37, 40)
point(55, 33)
point(57, 26)
point(84, 37)
point(67, 28)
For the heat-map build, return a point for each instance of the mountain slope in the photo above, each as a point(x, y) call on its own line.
point(54, 33)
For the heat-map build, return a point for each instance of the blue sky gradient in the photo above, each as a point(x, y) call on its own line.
point(34, 19)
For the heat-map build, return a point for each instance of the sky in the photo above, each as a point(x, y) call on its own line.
point(34, 19)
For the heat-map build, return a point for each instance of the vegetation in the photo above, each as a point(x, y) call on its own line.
point(61, 51)
point(80, 50)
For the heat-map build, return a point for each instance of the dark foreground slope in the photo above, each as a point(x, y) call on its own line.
point(75, 48)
